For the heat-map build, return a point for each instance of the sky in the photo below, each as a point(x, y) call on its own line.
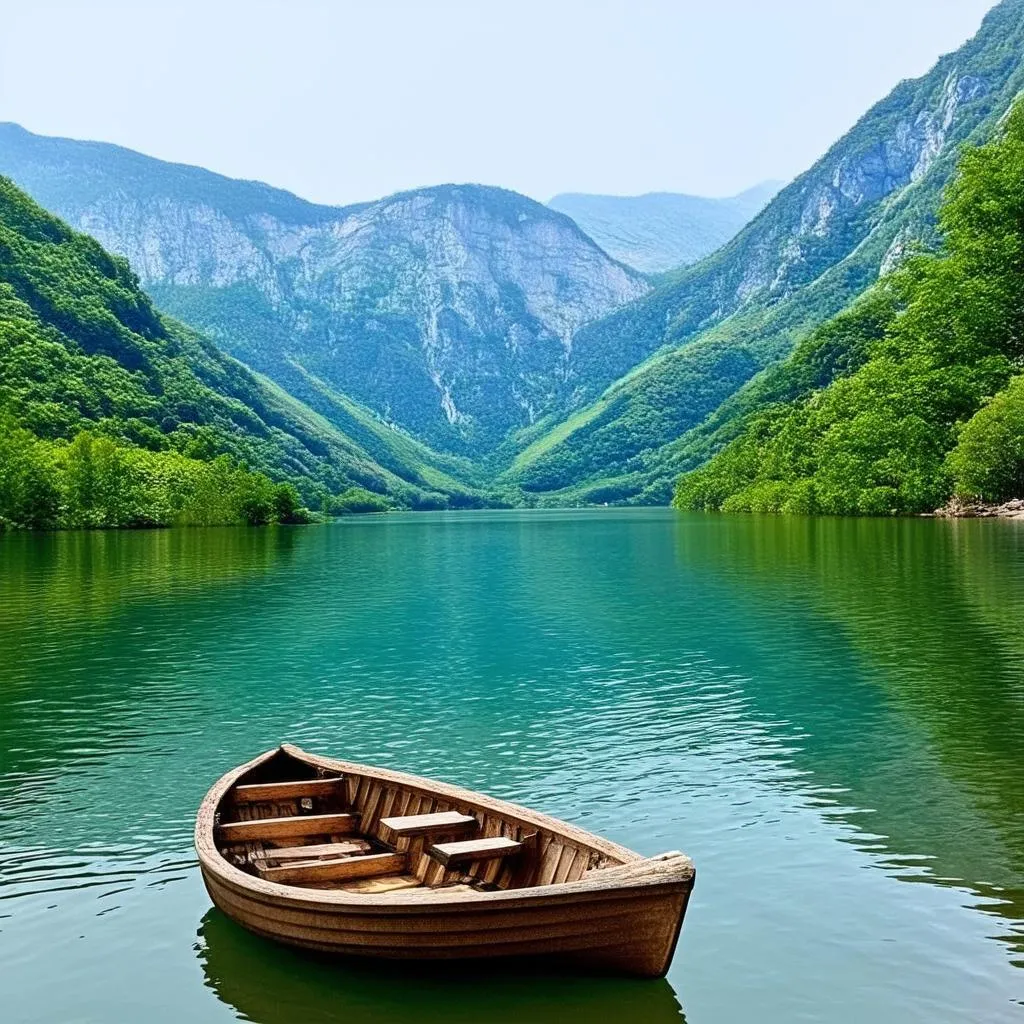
point(346, 101)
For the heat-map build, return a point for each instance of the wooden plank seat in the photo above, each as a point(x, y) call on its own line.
point(275, 792)
point(364, 866)
point(319, 851)
point(285, 828)
point(469, 850)
point(449, 822)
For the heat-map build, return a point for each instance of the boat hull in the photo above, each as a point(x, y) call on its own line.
point(632, 933)
point(625, 919)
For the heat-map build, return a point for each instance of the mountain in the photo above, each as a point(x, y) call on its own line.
point(662, 230)
point(650, 389)
point(448, 312)
point(82, 349)
point(915, 393)
point(468, 340)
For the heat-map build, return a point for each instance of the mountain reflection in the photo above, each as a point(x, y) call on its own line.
point(902, 660)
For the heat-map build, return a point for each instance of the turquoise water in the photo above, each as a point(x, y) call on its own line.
point(827, 715)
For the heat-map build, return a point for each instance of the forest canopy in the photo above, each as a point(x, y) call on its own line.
point(93, 481)
point(932, 408)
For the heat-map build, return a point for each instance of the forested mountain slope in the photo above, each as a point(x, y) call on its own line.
point(83, 349)
point(453, 341)
point(643, 378)
point(914, 394)
point(449, 311)
point(661, 231)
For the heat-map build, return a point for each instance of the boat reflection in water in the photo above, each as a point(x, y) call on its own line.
point(272, 984)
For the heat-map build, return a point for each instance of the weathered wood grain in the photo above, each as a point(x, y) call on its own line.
point(470, 850)
point(278, 791)
point(314, 851)
point(424, 824)
point(285, 828)
point(564, 892)
point(364, 866)
point(390, 883)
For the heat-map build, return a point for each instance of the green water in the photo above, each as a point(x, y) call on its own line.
point(827, 715)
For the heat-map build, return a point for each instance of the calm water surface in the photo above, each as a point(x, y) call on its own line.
point(827, 715)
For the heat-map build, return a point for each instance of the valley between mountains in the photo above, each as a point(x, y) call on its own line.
point(464, 345)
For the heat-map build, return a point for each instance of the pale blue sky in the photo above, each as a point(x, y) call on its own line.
point(347, 101)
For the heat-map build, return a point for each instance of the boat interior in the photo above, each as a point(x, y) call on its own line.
point(296, 823)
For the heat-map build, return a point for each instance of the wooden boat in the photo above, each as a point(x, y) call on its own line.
point(343, 858)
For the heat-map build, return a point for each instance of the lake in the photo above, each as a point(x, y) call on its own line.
point(827, 715)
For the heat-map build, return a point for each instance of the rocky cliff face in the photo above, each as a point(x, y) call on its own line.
point(848, 188)
point(449, 311)
point(832, 208)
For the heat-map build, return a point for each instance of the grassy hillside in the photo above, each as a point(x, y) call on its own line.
point(913, 395)
point(241, 311)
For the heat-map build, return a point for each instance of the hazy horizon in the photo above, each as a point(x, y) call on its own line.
point(340, 104)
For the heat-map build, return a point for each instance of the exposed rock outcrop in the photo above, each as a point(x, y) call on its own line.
point(959, 508)
point(860, 176)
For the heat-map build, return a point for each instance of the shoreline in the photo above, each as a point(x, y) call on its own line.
point(957, 508)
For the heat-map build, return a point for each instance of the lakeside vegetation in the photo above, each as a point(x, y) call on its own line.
point(108, 417)
point(896, 400)
point(916, 393)
point(94, 481)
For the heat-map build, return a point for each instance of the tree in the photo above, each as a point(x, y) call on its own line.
point(988, 461)
point(896, 428)
point(29, 497)
point(288, 505)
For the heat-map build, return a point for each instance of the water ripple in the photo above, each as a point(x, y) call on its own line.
point(827, 715)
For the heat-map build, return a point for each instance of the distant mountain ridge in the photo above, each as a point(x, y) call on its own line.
point(447, 311)
point(661, 231)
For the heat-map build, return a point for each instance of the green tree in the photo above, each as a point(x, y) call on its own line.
point(29, 496)
point(288, 505)
point(358, 500)
point(988, 460)
point(101, 486)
